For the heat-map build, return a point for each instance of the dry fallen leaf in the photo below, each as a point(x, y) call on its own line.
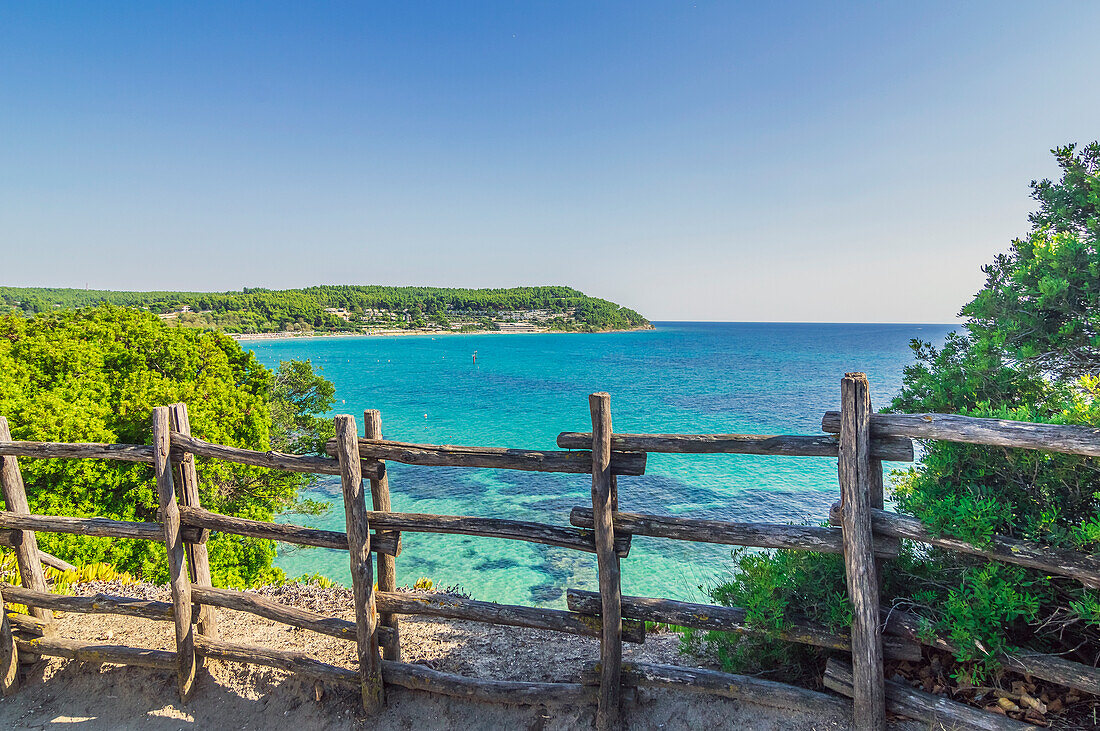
point(1033, 703)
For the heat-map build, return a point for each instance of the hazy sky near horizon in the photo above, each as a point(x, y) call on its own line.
point(693, 160)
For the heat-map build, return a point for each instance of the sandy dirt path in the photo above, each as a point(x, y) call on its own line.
point(60, 694)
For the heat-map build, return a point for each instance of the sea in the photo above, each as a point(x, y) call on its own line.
point(522, 390)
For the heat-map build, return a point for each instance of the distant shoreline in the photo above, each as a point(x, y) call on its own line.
point(241, 337)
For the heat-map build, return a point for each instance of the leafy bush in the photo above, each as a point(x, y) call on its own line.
point(776, 589)
point(1029, 351)
point(94, 376)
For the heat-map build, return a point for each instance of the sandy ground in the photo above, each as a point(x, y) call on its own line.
point(60, 694)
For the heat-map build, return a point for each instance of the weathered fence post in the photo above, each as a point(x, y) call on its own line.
point(26, 552)
point(387, 565)
point(177, 559)
point(856, 487)
point(9, 655)
point(608, 711)
point(197, 557)
point(362, 572)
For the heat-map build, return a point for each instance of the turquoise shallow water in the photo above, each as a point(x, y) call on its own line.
point(764, 378)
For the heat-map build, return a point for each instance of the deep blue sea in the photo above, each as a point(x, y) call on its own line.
point(752, 378)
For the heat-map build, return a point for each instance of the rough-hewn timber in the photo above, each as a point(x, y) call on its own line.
point(926, 707)
point(729, 619)
point(50, 560)
point(9, 654)
point(98, 604)
point(609, 707)
point(1069, 439)
point(405, 675)
point(201, 518)
point(178, 580)
point(420, 677)
point(386, 565)
point(272, 460)
point(294, 616)
point(520, 530)
point(854, 463)
point(242, 601)
point(31, 626)
point(15, 500)
point(86, 450)
point(91, 526)
point(531, 460)
point(898, 449)
point(452, 607)
point(187, 483)
point(1083, 567)
point(289, 660)
point(96, 653)
point(727, 685)
point(760, 535)
point(362, 569)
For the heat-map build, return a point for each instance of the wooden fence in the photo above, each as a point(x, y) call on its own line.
point(864, 533)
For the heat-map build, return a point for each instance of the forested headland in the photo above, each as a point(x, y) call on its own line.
point(348, 308)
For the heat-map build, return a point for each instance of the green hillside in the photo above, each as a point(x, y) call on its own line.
point(348, 308)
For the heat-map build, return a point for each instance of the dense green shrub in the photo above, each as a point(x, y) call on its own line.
point(1030, 351)
point(94, 376)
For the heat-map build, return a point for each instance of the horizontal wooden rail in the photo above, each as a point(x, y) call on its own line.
point(895, 449)
point(1083, 567)
point(182, 443)
point(272, 460)
point(728, 685)
point(405, 675)
point(937, 710)
point(86, 450)
point(563, 536)
point(531, 460)
point(262, 606)
point(289, 660)
point(758, 535)
point(51, 560)
point(516, 692)
point(242, 601)
point(520, 530)
point(1054, 668)
point(198, 518)
point(729, 619)
point(32, 626)
point(96, 653)
point(92, 527)
point(1066, 438)
point(98, 604)
point(452, 607)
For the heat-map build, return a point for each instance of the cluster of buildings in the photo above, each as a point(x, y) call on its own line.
point(505, 321)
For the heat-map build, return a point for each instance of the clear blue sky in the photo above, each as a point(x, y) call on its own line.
point(716, 161)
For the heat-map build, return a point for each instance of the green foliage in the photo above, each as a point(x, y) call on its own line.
point(298, 396)
point(776, 588)
point(94, 376)
point(263, 310)
point(1029, 351)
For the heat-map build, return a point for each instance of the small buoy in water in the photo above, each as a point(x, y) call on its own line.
point(343, 401)
point(425, 416)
